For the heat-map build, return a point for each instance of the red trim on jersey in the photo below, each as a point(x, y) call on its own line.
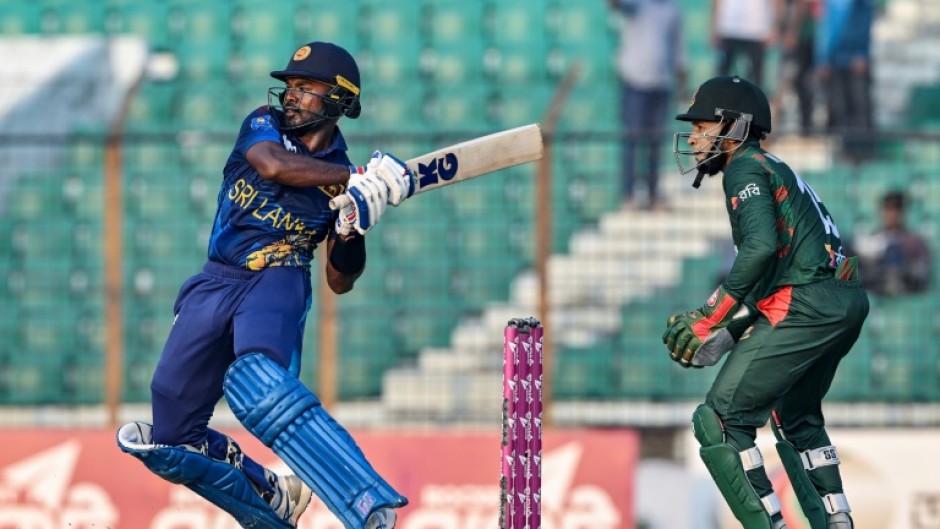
point(777, 305)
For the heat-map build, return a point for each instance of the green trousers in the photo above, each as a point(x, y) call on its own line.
point(786, 363)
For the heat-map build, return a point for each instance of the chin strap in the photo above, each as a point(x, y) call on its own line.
point(698, 179)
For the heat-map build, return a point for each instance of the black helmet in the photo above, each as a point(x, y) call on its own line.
point(330, 64)
point(737, 106)
point(735, 94)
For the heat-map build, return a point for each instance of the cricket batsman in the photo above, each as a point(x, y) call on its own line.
point(789, 310)
point(239, 323)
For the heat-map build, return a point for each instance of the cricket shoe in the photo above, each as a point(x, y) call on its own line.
point(291, 497)
point(383, 518)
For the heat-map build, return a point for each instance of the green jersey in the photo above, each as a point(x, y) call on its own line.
point(783, 233)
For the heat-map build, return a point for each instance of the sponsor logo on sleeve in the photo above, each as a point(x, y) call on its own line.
point(748, 191)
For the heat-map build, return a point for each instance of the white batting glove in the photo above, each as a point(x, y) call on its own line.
point(396, 175)
point(369, 195)
point(346, 221)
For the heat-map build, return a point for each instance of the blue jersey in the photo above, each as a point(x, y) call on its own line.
point(260, 223)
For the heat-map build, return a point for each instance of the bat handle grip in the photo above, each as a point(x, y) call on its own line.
point(340, 202)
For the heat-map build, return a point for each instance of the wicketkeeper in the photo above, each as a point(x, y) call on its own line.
point(788, 312)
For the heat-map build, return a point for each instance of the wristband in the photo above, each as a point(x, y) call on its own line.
point(348, 256)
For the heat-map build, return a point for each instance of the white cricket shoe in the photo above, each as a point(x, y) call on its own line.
point(291, 497)
point(383, 518)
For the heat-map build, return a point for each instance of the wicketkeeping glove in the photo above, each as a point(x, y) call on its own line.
point(701, 337)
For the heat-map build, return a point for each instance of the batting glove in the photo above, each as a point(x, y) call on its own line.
point(397, 176)
point(687, 333)
point(369, 195)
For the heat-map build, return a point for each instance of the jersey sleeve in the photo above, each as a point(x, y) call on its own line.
point(261, 125)
point(752, 211)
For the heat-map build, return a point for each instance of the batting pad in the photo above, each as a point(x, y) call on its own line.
point(280, 411)
point(217, 481)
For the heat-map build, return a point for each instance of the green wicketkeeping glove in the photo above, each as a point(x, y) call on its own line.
point(701, 337)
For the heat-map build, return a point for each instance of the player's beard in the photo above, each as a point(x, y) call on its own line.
point(714, 165)
point(303, 121)
point(714, 161)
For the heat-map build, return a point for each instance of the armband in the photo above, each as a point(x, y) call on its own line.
point(348, 256)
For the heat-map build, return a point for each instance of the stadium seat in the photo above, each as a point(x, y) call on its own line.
point(465, 107)
point(517, 45)
point(202, 38)
point(390, 107)
point(23, 18)
point(391, 48)
point(150, 20)
point(455, 49)
point(453, 64)
point(78, 18)
point(327, 21)
point(34, 378)
point(152, 107)
point(923, 107)
point(585, 373)
point(208, 105)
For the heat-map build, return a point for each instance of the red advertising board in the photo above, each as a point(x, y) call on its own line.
point(78, 479)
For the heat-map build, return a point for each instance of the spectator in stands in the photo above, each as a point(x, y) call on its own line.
point(894, 260)
point(744, 27)
point(843, 58)
point(652, 65)
point(799, 44)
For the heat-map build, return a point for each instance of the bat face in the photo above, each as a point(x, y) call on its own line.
point(437, 172)
point(477, 157)
point(471, 158)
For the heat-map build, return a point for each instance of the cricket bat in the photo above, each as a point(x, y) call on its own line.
point(470, 159)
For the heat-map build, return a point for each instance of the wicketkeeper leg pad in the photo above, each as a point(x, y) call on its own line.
point(217, 481)
point(728, 469)
point(280, 411)
point(798, 465)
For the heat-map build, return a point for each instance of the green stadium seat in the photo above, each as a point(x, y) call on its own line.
point(923, 107)
point(150, 20)
point(23, 18)
point(83, 377)
point(593, 106)
point(853, 380)
point(516, 42)
point(477, 286)
point(390, 108)
point(207, 106)
point(327, 21)
point(455, 48)
point(265, 26)
point(585, 373)
point(368, 344)
point(518, 105)
point(584, 33)
point(453, 21)
point(463, 107)
point(262, 38)
point(391, 50)
point(152, 107)
point(78, 18)
point(201, 38)
point(32, 378)
point(156, 195)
